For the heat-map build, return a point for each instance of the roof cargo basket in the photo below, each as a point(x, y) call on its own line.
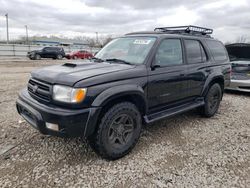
point(189, 30)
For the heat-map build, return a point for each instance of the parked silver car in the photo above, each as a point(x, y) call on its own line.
point(240, 58)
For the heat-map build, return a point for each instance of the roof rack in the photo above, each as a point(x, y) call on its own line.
point(189, 30)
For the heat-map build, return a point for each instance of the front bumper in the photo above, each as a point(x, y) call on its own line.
point(71, 122)
point(239, 85)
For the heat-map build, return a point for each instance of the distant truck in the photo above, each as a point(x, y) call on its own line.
point(47, 52)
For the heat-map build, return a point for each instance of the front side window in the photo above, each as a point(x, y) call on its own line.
point(169, 53)
point(130, 49)
point(195, 52)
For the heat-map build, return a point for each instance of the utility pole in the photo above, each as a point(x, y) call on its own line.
point(7, 26)
point(27, 36)
point(96, 37)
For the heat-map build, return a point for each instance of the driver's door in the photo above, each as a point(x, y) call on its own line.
point(166, 80)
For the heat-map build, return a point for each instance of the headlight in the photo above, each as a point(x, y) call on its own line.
point(69, 94)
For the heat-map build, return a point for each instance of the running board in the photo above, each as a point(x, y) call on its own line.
point(172, 111)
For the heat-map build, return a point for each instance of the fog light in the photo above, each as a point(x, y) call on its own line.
point(52, 126)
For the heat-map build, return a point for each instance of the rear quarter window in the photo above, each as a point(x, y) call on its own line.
point(217, 50)
point(195, 51)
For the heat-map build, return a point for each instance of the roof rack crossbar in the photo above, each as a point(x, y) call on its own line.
point(190, 29)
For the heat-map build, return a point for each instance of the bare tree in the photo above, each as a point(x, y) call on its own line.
point(241, 39)
point(106, 40)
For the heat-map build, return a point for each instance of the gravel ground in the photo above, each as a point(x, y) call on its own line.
point(184, 151)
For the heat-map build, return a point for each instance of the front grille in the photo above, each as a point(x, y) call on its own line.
point(39, 90)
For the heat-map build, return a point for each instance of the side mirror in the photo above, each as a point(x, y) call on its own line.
point(153, 67)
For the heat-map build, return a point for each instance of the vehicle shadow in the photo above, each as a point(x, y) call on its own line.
point(170, 129)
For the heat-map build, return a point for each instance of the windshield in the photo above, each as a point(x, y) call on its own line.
point(128, 49)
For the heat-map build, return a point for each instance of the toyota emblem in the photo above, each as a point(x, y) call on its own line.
point(35, 87)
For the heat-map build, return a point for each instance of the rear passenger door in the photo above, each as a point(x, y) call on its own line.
point(49, 52)
point(197, 66)
point(166, 84)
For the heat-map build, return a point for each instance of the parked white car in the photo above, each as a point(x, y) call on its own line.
point(240, 59)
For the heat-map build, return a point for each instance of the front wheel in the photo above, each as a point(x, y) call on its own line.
point(118, 131)
point(212, 101)
point(37, 57)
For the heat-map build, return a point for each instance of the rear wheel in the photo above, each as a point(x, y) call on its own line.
point(212, 101)
point(59, 56)
point(118, 131)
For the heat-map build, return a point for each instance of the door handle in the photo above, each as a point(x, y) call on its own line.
point(182, 74)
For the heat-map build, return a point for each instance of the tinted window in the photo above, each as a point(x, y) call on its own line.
point(195, 51)
point(218, 51)
point(49, 49)
point(169, 53)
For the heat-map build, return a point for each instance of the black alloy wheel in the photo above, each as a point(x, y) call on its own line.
point(118, 131)
point(121, 131)
point(212, 101)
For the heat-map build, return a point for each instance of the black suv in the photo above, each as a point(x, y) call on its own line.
point(138, 78)
point(47, 52)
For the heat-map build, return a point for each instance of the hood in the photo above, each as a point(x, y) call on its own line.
point(70, 73)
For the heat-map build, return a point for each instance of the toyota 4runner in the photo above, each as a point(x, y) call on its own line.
point(139, 78)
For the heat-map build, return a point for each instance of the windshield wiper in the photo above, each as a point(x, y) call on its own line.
point(119, 60)
point(99, 60)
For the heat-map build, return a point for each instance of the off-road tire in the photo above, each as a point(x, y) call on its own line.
point(100, 141)
point(212, 101)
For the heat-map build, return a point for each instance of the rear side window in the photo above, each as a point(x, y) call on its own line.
point(218, 50)
point(50, 49)
point(195, 52)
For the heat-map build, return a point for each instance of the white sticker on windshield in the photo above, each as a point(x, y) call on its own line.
point(137, 41)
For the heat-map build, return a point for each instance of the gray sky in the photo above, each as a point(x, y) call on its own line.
point(229, 18)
